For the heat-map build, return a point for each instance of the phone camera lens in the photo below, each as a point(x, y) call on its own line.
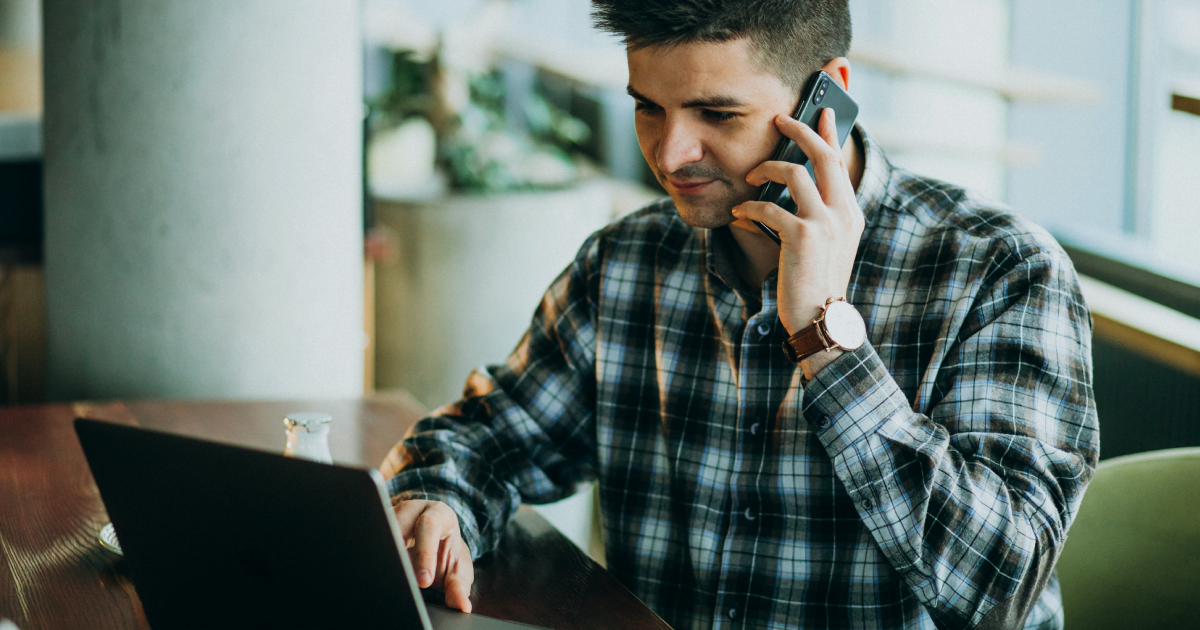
point(824, 84)
point(817, 99)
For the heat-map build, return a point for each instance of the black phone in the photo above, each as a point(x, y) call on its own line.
point(820, 93)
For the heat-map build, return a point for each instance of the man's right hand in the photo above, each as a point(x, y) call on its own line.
point(439, 556)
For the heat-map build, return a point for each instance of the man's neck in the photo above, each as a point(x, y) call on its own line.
point(757, 255)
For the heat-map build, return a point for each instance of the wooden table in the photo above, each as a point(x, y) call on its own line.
point(55, 574)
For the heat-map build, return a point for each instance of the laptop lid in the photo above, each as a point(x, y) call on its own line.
point(219, 536)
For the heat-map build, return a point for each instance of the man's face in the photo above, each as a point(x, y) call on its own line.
point(705, 118)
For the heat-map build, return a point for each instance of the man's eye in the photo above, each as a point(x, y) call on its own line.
point(643, 106)
point(717, 116)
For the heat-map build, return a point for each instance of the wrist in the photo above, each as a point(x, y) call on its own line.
point(838, 327)
point(800, 319)
point(806, 309)
point(813, 364)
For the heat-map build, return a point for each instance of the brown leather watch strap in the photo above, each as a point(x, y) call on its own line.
point(804, 343)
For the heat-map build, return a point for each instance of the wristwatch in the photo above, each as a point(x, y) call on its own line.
point(838, 326)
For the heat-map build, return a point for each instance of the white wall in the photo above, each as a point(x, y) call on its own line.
point(1082, 181)
point(1169, 210)
point(203, 204)
point(469, 274)
point(937, 129)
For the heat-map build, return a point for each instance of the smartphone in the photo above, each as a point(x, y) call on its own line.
point(820, 93)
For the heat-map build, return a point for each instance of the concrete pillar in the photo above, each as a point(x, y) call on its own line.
point(203, 198)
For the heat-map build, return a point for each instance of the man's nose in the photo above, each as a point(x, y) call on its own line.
point(680, 145)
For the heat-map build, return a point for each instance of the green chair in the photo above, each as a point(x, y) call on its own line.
point(1132, 558)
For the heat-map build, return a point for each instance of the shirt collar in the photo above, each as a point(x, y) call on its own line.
point(720, 245)
point(877, 173)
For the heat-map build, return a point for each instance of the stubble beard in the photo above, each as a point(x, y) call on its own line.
point(713, 208)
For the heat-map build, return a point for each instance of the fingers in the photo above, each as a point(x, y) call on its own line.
point(800, 184)
point(827, 128)
point(407, 513)
point(439, 556)
point(774, 217)
point(824, 151)
point(431, 528)
point(822, 142)
point(460, 575)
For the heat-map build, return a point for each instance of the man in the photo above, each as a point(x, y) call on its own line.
point(925, 477)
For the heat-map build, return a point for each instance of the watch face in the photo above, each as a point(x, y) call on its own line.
point(845, 326)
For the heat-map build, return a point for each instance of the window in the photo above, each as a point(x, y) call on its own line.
point(1167, 208)
point(1116, 175)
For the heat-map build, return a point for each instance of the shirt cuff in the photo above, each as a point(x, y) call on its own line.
point(851, 398)
point(853, 405)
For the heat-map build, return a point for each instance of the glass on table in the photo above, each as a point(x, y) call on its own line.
point(308, 435)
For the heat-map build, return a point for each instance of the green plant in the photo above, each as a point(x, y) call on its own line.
point(478, 147)
point(409, 93)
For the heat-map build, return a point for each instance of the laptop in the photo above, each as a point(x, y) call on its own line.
point(220, 536)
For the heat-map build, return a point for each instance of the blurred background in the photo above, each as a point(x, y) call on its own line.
point(279, 199)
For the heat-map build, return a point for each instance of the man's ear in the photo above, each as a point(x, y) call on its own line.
point(839, 69)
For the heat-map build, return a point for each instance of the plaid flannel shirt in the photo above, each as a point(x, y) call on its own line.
point(928, 477)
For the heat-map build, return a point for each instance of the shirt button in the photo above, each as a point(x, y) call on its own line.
point(764, 329)
point(866, 504)
point(750, 515)
point(733, 613)
point(823, 424)
point(754, 429)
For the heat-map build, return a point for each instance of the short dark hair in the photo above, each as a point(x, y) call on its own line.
point(791, 38)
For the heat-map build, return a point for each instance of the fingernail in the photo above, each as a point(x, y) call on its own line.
point(423, 576)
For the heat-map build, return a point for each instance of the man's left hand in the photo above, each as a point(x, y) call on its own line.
point(820, 241)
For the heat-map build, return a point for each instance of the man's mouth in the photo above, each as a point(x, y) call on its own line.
point(689, 188)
